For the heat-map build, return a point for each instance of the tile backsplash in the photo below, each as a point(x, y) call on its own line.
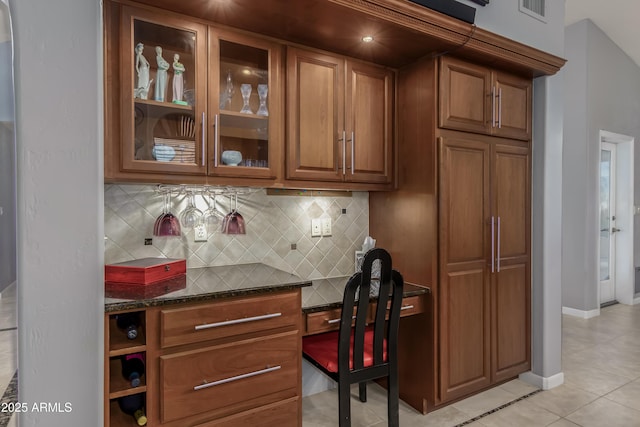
point(273, 224)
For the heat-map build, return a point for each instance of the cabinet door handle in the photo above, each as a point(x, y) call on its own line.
point(203, 140)
point(215, 141)
point(344, 152)
point(237, 321)
point(353, 141)
point(332, 321)
point(493, 107)
point(500, 108)
point(492, 244)
point(498, 256)
point(237, 377)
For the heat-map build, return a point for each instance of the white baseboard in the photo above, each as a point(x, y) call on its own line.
point(544, 383)
point(583, 314)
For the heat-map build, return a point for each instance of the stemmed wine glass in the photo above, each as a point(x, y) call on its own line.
point(245, 90)
point(233, 222)
point(212, 216)
point(262, 93)
point(191, 215)
point(167, 224)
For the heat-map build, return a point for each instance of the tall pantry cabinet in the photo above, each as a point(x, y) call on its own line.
point(464, 193)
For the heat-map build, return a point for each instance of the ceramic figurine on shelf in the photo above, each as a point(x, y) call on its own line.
point(161, 76)
point(142, 68)
point(178, 80)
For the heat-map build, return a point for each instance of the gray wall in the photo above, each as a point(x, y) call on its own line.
point(602, 93)
point(7, 157)
point(58, 46)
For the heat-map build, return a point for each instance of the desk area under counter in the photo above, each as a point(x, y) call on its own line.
point(223, 345)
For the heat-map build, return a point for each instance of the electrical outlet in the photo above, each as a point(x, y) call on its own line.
point(316, 227)
point(326, 226)
point(200, 233)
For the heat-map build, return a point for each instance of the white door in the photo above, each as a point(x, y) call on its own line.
point(608, 228)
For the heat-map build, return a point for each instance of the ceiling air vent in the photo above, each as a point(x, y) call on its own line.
point(534, 8)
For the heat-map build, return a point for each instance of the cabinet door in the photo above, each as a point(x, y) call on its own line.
point(465, 96)
point(511, 286)
point(513, 106)
point(244, 103)
point(464, 236)
point(315, 112)
point(369, 107)
point(163, 104)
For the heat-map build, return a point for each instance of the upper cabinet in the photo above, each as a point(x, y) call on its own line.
point(244, 96)
point(189, 102)
point(339, 119)
point(163, 87)
point(477, 99)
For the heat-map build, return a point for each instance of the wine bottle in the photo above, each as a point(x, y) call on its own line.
point(133, 368)
point(128, 322)
point(134, 405)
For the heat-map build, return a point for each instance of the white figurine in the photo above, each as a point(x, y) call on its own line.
point(178, 82)
point(161, 76)
point(142, 68)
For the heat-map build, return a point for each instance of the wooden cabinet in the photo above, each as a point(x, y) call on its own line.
point(484, 266)
point(339, 119)
point(478, 99)
point(120, 345)
point(229, 362)
point(150, 136)
point(460, 222)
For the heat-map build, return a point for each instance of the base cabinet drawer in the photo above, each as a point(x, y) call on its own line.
point(231, 377)
point(227, 318)
point(280, 414)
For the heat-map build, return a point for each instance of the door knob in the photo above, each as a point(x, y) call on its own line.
point(615, 230)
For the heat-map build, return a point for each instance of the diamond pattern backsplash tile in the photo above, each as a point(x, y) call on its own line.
point(273, 224)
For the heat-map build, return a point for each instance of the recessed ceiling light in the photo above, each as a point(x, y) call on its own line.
point(367, 39)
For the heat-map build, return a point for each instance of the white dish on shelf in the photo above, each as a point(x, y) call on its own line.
point(231, 157)
point(163, 153)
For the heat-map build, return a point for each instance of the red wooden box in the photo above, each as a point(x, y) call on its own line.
point(144, 271)
point(152, 290)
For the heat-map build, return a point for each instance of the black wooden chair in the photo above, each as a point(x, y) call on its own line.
point(360, 352)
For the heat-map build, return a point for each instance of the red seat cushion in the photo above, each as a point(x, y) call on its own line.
point(323, 348)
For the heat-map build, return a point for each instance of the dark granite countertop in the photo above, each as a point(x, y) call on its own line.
point(208, 283)
point(202, 284)
point(326, 294)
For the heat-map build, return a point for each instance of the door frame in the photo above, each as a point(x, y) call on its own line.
point(624, 208)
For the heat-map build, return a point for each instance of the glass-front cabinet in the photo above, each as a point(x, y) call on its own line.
point(244, 99)
point(163, 94)
point(196, 100)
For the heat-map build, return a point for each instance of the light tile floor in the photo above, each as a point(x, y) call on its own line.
point(601, 365)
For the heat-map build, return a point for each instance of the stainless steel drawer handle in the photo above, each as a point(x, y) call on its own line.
point(332, 321)
point(406, 307)
point(236, 378)
point(237, 321)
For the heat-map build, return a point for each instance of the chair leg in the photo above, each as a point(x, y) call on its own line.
point(344, 403)
point(362, 391)
point(393, 398)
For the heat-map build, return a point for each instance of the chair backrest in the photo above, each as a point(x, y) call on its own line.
point(357, 291)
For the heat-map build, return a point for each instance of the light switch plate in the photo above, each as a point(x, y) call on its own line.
point(316, 227)
point(200, 233)
point(326, 226)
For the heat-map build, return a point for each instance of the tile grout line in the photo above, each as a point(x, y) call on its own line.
point(476, 418)
point(10, 396)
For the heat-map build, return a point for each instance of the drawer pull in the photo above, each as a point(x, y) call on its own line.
point(332, 321)
point(236, 321)
point(237, 377)
point(406, 307)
